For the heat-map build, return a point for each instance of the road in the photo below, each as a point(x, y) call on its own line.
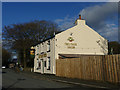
point(11, 79)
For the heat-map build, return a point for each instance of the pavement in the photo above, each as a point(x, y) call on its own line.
point(79, 82)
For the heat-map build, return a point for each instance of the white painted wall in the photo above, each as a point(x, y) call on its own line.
point(85, 37)
point(43, 47)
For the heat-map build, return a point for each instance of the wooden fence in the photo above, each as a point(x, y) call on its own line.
point(102, 68)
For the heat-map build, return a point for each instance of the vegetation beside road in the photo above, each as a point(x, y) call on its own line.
point(21, 37)
point(5, 57)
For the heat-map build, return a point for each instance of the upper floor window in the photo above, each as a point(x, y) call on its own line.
point(41, 46)
point(48, 46)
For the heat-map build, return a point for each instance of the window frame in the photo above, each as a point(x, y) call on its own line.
point(48, 46)
point(49, 63)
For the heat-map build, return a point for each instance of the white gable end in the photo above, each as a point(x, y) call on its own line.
point(86, 39)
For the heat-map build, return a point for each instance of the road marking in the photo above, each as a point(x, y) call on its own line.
point(81, 84)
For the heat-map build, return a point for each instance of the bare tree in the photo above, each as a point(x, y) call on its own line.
point(22, 36)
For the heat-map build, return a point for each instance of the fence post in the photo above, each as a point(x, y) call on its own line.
point(103, 68)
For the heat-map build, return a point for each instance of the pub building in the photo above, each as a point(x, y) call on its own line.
point(71, 43)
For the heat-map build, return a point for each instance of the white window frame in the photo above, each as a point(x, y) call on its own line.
point(48, 63)
point(41, 46)
point(48, 46)
point(38, 67)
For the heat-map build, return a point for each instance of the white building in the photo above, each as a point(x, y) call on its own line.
point(75, 41)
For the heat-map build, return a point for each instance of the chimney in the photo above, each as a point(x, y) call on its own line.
point(80, 21)
point(80, 17)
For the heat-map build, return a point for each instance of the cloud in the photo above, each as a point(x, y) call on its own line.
point(66, 22)
point(96, 15)
point(113, 0)
point(58, 20)
point(109, 32)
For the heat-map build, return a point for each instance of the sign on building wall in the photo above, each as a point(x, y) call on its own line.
point(32, 53)
point(70, 44)
point(42, 55)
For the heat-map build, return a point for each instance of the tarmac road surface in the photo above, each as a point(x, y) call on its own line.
point(11, 80)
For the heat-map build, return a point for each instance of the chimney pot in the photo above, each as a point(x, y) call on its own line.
point(80, 17)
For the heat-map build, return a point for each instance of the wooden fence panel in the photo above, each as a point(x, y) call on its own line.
point(97, 66)
point(110, 66)
point(102, 68)
point(77, 69)
point(80, 68)
point(107, 68)
point(99, 71)
point(117, 67)
point(113, 64)
point(91, 68)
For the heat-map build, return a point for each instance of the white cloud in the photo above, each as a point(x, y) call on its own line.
point(96, 15)
point(66, 22)
point(58, 20)
point(109, 32)
point(113, 0)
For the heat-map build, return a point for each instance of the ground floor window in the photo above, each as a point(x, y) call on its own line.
point(44, 63)
point(48, 63)
point(38, 64)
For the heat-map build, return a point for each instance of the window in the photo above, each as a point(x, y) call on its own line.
point(48, 46)
point(44, 63)
point(38, 64)
point(48, 63)
point(41, 47)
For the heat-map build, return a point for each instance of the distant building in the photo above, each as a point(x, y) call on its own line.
point(75, 41)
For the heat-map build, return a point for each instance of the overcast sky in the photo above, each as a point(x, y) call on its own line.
point(102, 17)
